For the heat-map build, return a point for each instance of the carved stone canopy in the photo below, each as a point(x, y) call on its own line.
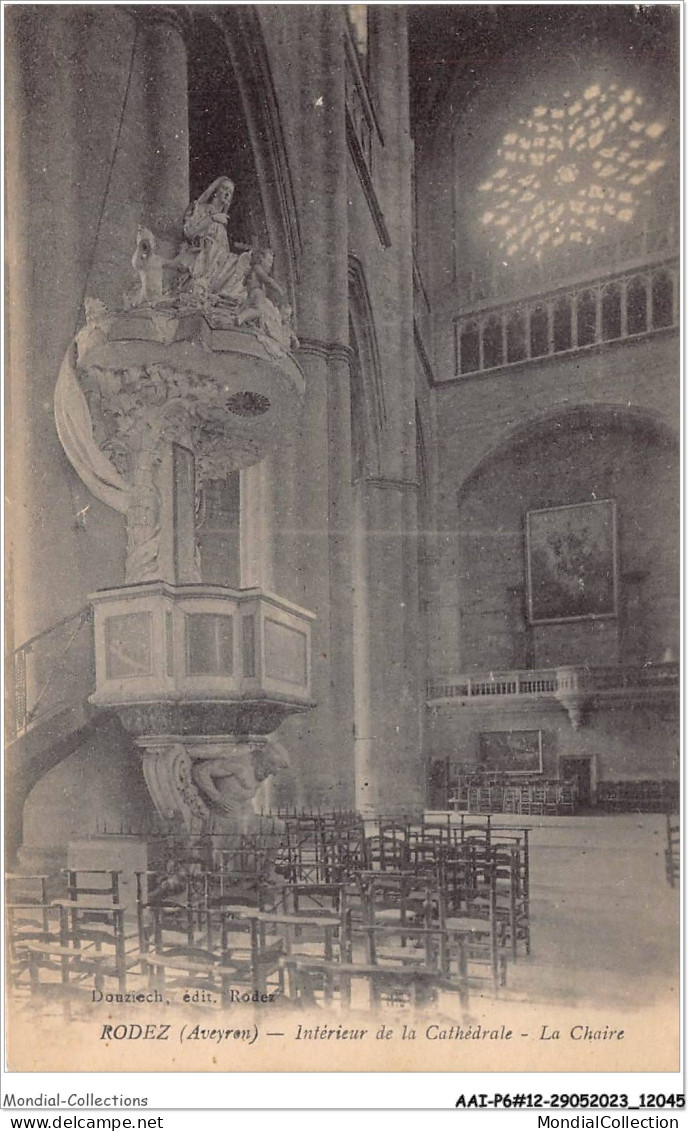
point(144, 380)
point(216, 392)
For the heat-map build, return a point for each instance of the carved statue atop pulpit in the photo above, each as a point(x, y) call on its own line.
point(216, 272)
point(231, 282)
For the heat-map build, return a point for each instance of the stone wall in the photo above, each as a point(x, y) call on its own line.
point(622, 742)
point(564, 463)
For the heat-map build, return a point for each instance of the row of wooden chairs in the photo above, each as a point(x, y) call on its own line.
point(79, 939)
point(193, 940)
point(229, 952)
point(306, 847)
point(406, 935)
point(638, 796)
point(492, 855)
point(207, 938)
point(536, 797)
point(326, 893)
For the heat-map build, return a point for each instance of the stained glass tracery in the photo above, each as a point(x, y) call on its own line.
point(569, 173)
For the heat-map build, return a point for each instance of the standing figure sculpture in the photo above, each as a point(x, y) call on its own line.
point(217, 273)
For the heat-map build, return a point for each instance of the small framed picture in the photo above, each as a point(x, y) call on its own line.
point(510, 751)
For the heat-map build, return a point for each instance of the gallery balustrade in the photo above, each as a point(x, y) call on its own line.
point(616, 307)
point(574, 687)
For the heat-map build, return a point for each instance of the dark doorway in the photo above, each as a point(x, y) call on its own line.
point(578, 771)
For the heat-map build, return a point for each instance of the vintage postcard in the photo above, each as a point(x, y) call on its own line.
point(342, 537)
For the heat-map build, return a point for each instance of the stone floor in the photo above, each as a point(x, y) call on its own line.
point(604, 920)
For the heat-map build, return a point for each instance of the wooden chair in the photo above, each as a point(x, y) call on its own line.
point(387, 848)
point(247, 853)
point(672, 852)
point(237, 889)
point(169, 906)
point(99, 939)
point(314, 899)
point(567, 800)
point(275, 934)
point(478, 928)
point(92, 947)
point(520, 840)
point(343, 849)
point(426, 949)
point(391, 897)
point(393, 985)
point(224, 963)
point(511, 802)
point(511, 900)
point(30, 888)
point(95, 885)
point(472, 830)
point(551, 798)
point(301, 857)
point(28, 904)
point(32, 922)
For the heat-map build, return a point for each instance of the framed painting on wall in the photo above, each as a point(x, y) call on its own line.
point(510, 751)
point(572, 562)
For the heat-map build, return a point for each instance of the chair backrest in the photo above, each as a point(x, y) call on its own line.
point(458, 879)
point(97, 886)
point(32, 887)
point(31, 922)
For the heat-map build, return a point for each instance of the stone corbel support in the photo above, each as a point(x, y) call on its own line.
point(209, 782)
point(573, 694)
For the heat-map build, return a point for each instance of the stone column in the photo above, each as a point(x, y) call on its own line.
point(341, 519)
point(387, 649)
point(390, 774)
point(149, 180)
point(255, 526)
point(309, 476)
point(364, 735)
point(97, 143)
point(312, 488)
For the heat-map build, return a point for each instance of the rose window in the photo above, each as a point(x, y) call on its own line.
point(571, 172)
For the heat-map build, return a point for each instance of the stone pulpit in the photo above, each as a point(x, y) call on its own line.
point(192, 378)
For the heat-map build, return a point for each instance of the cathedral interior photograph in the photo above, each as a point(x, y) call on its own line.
point(342, 524)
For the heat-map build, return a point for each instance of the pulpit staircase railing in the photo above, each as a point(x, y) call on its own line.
point(50, 673)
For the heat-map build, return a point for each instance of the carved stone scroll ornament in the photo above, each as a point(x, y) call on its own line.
point(168, 773)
